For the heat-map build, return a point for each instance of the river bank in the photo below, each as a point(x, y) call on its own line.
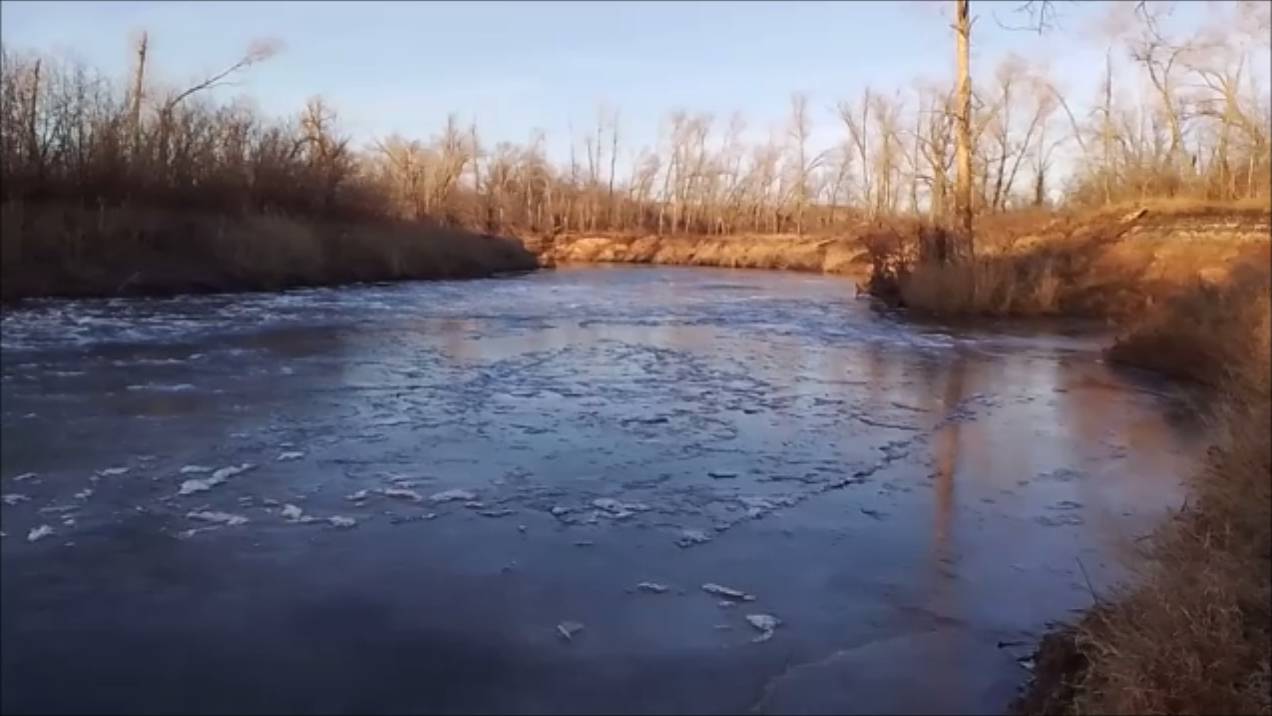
point(61, 249)
point(837, 255)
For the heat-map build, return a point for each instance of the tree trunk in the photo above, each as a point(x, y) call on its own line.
point(963, 193)
point(138, 84)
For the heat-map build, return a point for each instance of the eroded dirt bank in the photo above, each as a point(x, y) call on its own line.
point(845, 256)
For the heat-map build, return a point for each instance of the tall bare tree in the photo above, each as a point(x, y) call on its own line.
point(963, 120)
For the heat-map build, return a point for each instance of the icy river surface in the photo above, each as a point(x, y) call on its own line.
point(603, 489)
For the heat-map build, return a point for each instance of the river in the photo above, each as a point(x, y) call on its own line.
point(453, 492)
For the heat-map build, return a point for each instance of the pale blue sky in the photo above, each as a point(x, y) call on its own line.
point(399, 66)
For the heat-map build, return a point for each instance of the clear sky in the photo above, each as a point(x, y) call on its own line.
point(515, 66)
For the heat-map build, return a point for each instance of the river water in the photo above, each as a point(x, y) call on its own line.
point(514, 456)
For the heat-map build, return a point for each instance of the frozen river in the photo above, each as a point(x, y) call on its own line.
point(446, 496)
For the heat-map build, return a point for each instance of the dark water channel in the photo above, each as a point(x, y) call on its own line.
point(442, 476)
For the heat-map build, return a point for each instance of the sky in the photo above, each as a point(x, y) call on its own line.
point(519, 66)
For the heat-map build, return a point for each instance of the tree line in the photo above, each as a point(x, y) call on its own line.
point(1188, 117)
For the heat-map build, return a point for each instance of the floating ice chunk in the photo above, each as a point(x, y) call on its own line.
point(223, 518)
point(292, 512)
point(113, 471)
point(190, 487)
point(763, 622)
point(559, 510)
point(59, 508)
point(451, 496)
point(288, 456)
point(727, 592)
point(194, 469)
point(568, 629)
point(688, 538)
point(13, 498)
point(341, 521)
point(187, 534)
point(39, 533)
point(651, 587)
point(618, 509)
point(227, 472)
point(25, 476)
point(401, 492)
point(359, 495)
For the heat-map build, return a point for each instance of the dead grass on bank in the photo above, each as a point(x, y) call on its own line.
point(68, 250)
point(1111, 264)
point(1216, 333)
point(987, 286)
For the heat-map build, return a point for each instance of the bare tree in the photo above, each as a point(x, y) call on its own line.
point(963, 120)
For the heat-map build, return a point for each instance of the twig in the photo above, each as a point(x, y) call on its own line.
point(1095, 597)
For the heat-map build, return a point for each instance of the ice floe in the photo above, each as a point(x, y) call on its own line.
point(39, 533)
point(727, 592)
point(223, 518)
point(451, 496)
point(568, 629)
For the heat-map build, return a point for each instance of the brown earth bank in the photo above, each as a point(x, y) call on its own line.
point(842, 255)
point(59, 249)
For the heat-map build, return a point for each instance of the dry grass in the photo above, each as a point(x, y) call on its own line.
point(1216, 333)
point(1191, 206)
point(60, 249)
point(996, 286)
point(1111, 264)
